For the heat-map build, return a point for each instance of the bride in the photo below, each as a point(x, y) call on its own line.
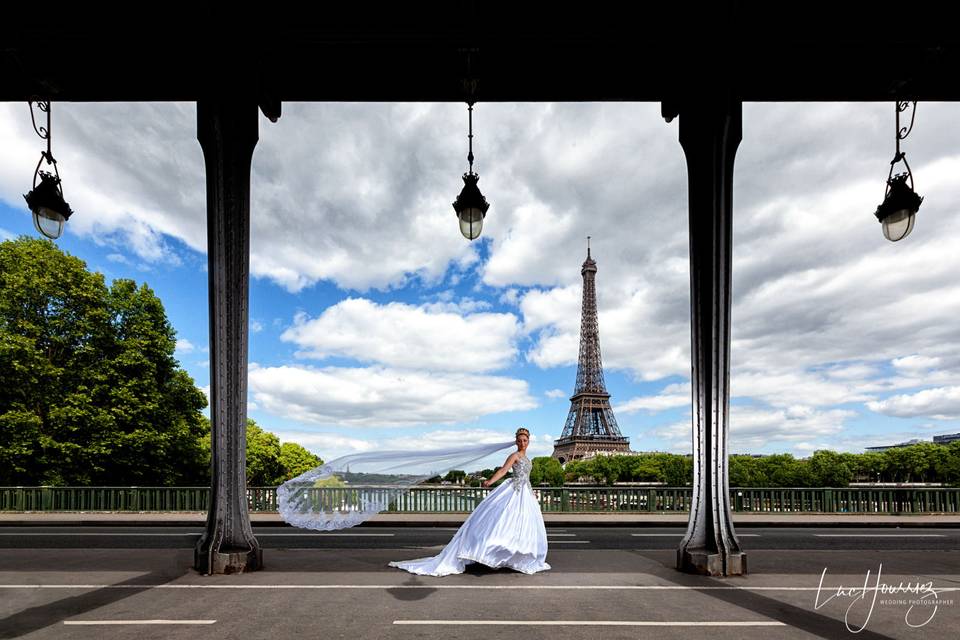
point(505, 530)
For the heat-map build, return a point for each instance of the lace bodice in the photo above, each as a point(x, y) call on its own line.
point(521, 473)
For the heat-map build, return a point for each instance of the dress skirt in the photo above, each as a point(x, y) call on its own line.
point(505, 530)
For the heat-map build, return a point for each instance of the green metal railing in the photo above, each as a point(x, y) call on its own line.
point(447, 499)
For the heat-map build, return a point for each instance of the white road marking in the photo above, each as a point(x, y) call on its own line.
point(561, 534)
point(139, 621)
point(652, 535)
point(607, 623)
point(324, 535)
point(539, 587)
point(879, 535)
point(258, 535)
point(569, 542)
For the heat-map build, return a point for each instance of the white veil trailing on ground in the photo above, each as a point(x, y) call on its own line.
point(353, 488)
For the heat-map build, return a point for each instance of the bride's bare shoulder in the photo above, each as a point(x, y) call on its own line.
point(511, 459)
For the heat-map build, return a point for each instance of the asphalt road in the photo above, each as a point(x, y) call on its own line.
point(605, 583)
point(153, 537)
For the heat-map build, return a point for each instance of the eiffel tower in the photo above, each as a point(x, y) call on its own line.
point(590, 426)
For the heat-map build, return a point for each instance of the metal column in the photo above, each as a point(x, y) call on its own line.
point(710, 131)
point(228, 132)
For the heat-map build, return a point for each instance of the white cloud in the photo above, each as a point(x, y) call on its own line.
point(941, 403)
point(405, 336)
point(511, 297)
point(348, 210)
point(463, 306)
point(754, 428)
point(256, 326)
point(786, 388)
point(653, 404)
point(381, 396)
point(130, 187)
point(325, 444)
point(555, 393)
point(184, 346)
point(915, 363)
point(852, 371)
point(825, 311)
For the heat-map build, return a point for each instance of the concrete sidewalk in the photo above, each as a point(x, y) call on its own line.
point(197, 519)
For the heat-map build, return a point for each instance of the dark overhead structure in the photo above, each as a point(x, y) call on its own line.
point(699, 60)
point(526, 51)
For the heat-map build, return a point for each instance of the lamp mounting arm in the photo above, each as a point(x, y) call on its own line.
point(902, 133)
point(44, 133)
point(470, 135)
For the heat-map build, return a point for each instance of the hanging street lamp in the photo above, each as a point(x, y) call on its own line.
point(900, 203)
point(50, 210)
point(471, 206)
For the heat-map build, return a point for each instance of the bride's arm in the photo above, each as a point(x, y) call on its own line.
point(502, 470)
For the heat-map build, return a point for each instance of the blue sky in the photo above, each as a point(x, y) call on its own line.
point(375, 325)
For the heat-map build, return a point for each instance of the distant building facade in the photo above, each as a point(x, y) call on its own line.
point(895, 446)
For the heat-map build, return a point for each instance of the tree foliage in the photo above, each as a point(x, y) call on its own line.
point(90, 393)
point(546, 470)
point(923, 462)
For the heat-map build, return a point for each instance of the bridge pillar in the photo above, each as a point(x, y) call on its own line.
point(710, 131)
point(227, 129)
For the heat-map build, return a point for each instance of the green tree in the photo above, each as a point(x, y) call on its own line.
point(677, 470)
point(546, 470)
point(90, 392)
point(646, 468)
point(263, 457)
point(455, 476)
point(829, 469)
point(948, 468)
point(745, 471)
point(295, 459)
point(604, 469)
point(782, 470)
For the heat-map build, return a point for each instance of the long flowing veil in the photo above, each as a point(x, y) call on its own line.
point(348, 490)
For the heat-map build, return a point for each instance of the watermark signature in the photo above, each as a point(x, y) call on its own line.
point(923, 597)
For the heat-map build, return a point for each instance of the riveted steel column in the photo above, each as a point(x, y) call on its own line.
point(710, 131)
point(228, 132)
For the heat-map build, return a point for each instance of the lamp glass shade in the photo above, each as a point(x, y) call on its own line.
point(471, 207)
point(898, 224)
point(471, 222)
point(50, 210)
point(48, 222)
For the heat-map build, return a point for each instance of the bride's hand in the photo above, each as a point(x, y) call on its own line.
point(486, 483)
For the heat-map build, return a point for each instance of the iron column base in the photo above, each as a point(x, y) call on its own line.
point(226, 562)
point(709, 563)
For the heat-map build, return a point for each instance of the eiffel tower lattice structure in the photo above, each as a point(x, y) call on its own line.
point(591, 426)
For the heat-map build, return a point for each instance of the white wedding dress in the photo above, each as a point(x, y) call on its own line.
point(505, 530)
